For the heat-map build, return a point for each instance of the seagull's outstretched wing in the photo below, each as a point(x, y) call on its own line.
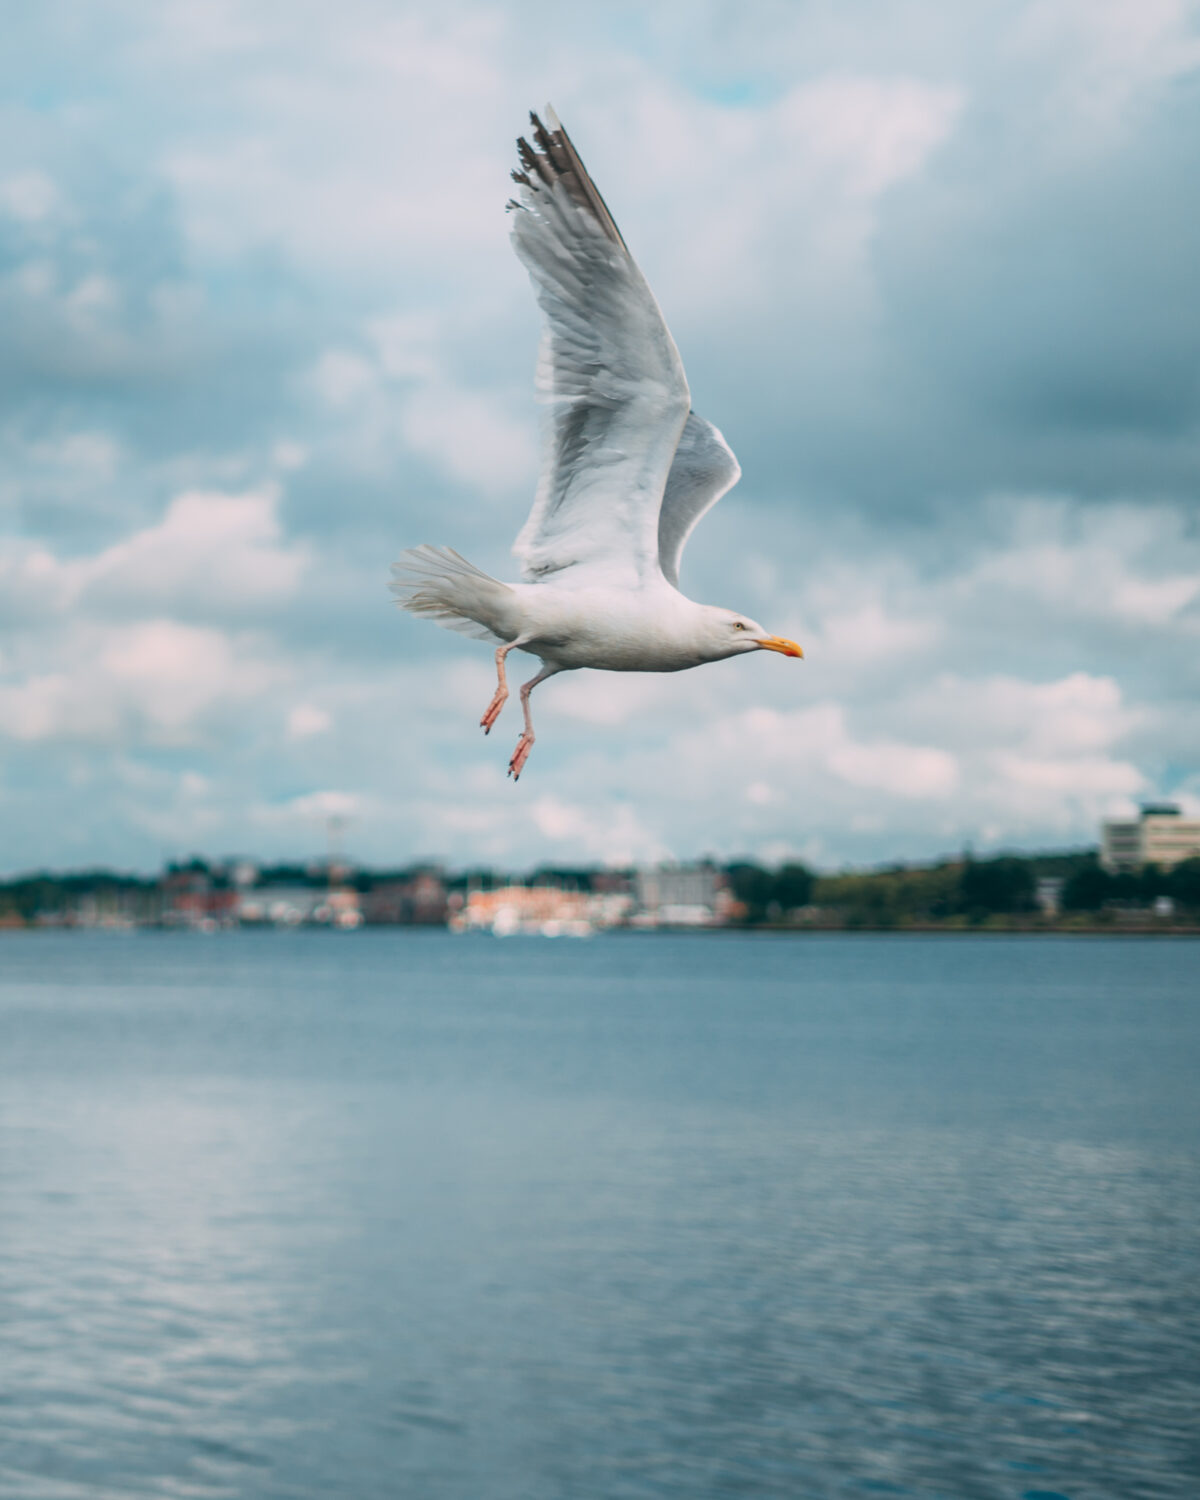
point(704, 469)
point(608, 370)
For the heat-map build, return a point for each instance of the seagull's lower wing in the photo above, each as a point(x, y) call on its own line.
point(608, 371)
point(703, 470)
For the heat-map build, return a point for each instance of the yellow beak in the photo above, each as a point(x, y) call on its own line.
point(777, 643)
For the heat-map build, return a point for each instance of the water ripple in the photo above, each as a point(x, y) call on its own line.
point(290, 1217)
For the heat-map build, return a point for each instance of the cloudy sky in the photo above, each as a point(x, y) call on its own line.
point(934, 270)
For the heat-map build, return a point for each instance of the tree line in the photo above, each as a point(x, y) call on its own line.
point(964, 890)
point(1092, 888)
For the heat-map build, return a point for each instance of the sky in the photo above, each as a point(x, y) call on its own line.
point(933, 269)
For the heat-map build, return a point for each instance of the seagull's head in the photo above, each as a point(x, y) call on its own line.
point(731, 634)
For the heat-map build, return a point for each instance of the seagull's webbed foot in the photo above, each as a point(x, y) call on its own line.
point(520, 755)
point(492, 712)
point(525, 743)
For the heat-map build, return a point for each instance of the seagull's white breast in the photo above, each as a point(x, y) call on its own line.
point(617, 629)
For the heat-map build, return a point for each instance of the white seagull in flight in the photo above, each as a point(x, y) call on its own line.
point(627, 467)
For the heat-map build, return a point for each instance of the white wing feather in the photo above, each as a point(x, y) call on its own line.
point(608, 371)
point(703, 470)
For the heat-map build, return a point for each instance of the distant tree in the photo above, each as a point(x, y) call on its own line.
point(1131, 888)
point(476, 880)
point(998, 885)
point(1183, 884)
point(1087, 888)
point(793, 886)
point(768, 894)
point(576, 877)
point(753, 887)
point(1153, 881)
point(288, 874)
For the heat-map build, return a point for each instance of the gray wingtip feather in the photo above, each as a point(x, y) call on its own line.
point(553, 159)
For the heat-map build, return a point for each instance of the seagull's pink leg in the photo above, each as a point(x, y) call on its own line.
point(500, 696)
point(525, 743)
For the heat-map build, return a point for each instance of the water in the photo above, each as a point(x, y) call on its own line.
point(395, 1214)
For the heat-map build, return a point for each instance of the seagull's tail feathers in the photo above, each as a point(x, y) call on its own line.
point(437, 583)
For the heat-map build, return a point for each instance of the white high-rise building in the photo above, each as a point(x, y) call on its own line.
point(681, 896)
point(1161, 836)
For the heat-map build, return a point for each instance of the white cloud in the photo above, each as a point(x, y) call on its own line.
point(407, 344)
point(156, 682)
point(314, 807)
point(211, 552)
point(209, 29)
point(471, 436)
point(1056, 784)
point(226, 550)
point(1072, 716)
point(92, 296)
point(1117, 562)
point(607, 698)
point(866, 634)
point(306, 720)
point(399, 176)
point(397, 399)
point(288, 455)
point(819, 738)
point(611, 833)
point(870, 132)
point(92, 455)
point(1036, 753)
point(914, 771)
point(1114, 50)
point(29, 197)
point(342, 379)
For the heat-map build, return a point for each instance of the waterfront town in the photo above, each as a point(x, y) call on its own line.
point(1144, 875)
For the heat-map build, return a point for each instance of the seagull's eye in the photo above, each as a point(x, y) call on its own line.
point(737, 625)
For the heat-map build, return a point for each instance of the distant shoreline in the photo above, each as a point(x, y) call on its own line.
point(765, 929)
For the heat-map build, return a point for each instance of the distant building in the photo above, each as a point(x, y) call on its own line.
point(193, 897)
point(547, 910)
point(418, 899)
point(340, 908)
point(1160, 836)
point(682, 896)
point(279, 904)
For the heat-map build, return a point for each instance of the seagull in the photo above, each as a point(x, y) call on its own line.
point(627, 468)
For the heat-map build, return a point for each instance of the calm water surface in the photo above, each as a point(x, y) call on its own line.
point(395, 1214)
